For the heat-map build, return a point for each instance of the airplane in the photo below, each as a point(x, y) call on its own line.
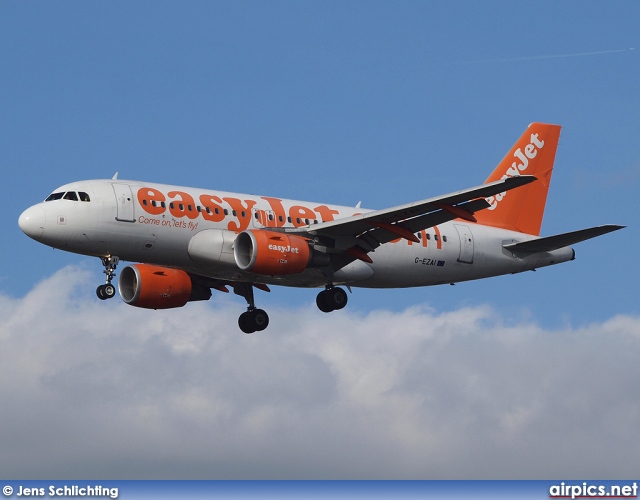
point(188, 241)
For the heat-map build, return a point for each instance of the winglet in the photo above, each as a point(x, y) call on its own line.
point(522, 209)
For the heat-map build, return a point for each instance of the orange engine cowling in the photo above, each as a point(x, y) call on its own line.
point(154, 287)
point(269, 252)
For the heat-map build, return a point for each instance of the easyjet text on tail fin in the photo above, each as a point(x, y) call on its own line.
point(522, 209)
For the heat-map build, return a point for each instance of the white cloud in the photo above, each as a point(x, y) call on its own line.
point(103, 390)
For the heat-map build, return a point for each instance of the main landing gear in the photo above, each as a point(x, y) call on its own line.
point(256, 320)
point(107, 290)
point(331, 299)
point(253, 320)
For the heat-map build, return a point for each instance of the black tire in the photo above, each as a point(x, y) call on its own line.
point(101, 293)
point(323, 303)
point(260, 319)
point(337, 297)
point(245, 322)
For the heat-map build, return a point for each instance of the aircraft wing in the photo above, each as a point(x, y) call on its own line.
point(369, 230)
point(551, 243)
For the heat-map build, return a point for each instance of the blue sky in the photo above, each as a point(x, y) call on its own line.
point(336, 102)
point(340, 102)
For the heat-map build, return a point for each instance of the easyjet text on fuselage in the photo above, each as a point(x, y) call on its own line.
point(215, 208)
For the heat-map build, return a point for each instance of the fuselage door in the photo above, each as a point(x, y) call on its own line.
point(466, 244)
point(124, 202)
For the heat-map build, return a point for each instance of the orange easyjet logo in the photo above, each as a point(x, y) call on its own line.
point(284, 249)
point(216, 209)
point(519, 165)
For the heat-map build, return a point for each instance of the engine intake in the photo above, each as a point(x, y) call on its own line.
point(154, 287)
point(269, 252)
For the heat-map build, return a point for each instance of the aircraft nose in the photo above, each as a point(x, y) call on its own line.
point(31, 222)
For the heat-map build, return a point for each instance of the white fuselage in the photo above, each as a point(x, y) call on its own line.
point(155, 224)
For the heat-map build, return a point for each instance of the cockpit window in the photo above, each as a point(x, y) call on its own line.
point(69, 195)
point(54, 196)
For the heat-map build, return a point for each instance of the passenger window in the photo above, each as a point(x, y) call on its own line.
point(71, 195)
point(83, 196)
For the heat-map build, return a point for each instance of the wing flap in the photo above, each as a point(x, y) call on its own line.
point(381, 236)
point(557, 241)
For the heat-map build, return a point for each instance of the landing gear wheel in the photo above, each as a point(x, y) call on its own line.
point(260, 319)
point(337, 298)
point(331, 299)
point(323, 303)
point(101, 293)
point(109, 290)
point(245, 323)
point(253, 321)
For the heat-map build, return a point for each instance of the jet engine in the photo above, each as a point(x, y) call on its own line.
point(269, 252)
point(155, 287)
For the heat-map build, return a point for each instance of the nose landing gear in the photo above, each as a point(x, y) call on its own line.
point(107, 290)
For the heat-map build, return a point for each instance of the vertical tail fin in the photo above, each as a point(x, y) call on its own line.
point(522, 209)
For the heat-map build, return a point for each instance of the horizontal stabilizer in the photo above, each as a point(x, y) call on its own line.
point(551, 243)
